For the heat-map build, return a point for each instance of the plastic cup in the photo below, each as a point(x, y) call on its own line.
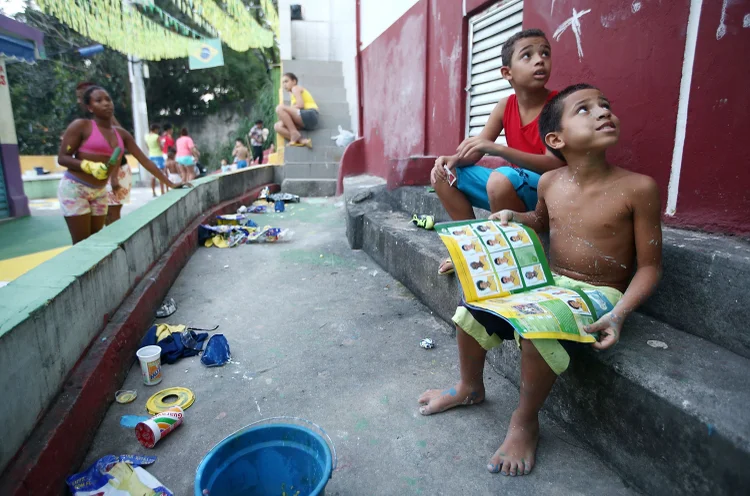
point(150, 431)
point(150, 358)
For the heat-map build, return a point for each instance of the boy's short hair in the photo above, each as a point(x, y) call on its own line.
point(154, 128)
point(167, 126)
point(171, 153)
point(259, 121)
point(239, 139)
point(510, 44)
point(550, 119)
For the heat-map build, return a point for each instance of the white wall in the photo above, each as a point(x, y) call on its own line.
point(328, 32)
point(378, 15)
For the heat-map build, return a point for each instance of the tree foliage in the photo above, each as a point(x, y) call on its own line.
point(43, 95)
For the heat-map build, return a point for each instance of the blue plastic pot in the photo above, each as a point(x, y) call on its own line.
point(267, 459)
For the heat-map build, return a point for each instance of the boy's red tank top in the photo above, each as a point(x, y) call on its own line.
point(524, 138)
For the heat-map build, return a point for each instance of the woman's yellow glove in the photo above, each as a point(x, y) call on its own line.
point(96, 169)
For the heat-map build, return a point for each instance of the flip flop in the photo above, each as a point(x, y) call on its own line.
point(423, 221)
point(448, 271)
point(304, 142)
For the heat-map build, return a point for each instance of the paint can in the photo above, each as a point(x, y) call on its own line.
point(150, 358)
point(150, 431)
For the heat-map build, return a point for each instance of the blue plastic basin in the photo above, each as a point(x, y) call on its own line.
point(275, 459)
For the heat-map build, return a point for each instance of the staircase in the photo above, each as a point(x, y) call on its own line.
point(313, 172)
point(667, 408)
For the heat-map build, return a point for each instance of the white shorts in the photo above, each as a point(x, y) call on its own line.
point(175, 178)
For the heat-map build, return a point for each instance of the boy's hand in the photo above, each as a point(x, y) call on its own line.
point(474, 145)
point(438, 172)
point(609, 328)
point(504, 216)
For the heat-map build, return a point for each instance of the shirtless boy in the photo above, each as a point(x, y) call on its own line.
point(526, 65)
point(241, 154)
point(614, 248)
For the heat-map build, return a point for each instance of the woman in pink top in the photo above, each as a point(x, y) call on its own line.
point(186, 153)
point(88, 151)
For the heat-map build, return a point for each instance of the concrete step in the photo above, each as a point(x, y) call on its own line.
point(721, 264)
point(309, 187)
point(321, 80)
point(319, 153)
point(311, 170)
point(670, 421)
point(324, 94)
point(312, 67)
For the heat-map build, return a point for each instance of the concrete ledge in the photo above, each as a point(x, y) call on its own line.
point(705, 285)
point(50, 315)
point(670, 421)
point(309, 187)
point(59, 442)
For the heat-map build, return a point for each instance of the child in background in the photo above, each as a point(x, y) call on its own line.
point(175, 171)
point(604, 222)
point(526, 65)
point(240, 154)
point(258, 135)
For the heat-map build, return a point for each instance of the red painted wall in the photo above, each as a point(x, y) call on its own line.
point(715, 182)
point(414, 103)
point(394, 95)
point(641, 76)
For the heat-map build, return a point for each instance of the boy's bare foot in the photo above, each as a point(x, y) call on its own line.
point(517, 453)
point(440, 400)
point(294, 138)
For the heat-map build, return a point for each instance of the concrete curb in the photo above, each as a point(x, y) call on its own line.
point(60, 440)
point(669, 421)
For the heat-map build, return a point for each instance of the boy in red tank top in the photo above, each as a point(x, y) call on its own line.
point(527, 64)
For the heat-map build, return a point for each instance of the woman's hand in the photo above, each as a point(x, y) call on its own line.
point(179, 186)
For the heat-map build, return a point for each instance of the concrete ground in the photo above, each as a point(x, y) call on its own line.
point(30, 241)
point(320, 332)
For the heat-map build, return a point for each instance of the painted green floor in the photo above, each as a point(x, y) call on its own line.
point(32, 234)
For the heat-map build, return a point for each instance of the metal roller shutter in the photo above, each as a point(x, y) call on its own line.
point(487, 33)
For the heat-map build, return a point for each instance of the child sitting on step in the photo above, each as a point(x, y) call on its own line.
point(605, 234)
point(526, 65)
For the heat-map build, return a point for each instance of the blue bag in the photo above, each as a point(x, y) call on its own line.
point(217, 351)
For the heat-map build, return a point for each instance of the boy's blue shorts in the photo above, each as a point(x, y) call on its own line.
point(472, 181)
point(158, 161)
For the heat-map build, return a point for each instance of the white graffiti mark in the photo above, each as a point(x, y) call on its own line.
point(746, 21)
point(722, 29)
point(575, 25)
point(635, 7)
point(552, 7)
point(451, 65)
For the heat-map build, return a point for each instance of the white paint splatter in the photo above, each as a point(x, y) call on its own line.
point(655, 343)
point(552, 7)
point(722, 29)
point(396, 90)
point(575, 25)
point(635, 7)
point(451, 65)
point(746, 21)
